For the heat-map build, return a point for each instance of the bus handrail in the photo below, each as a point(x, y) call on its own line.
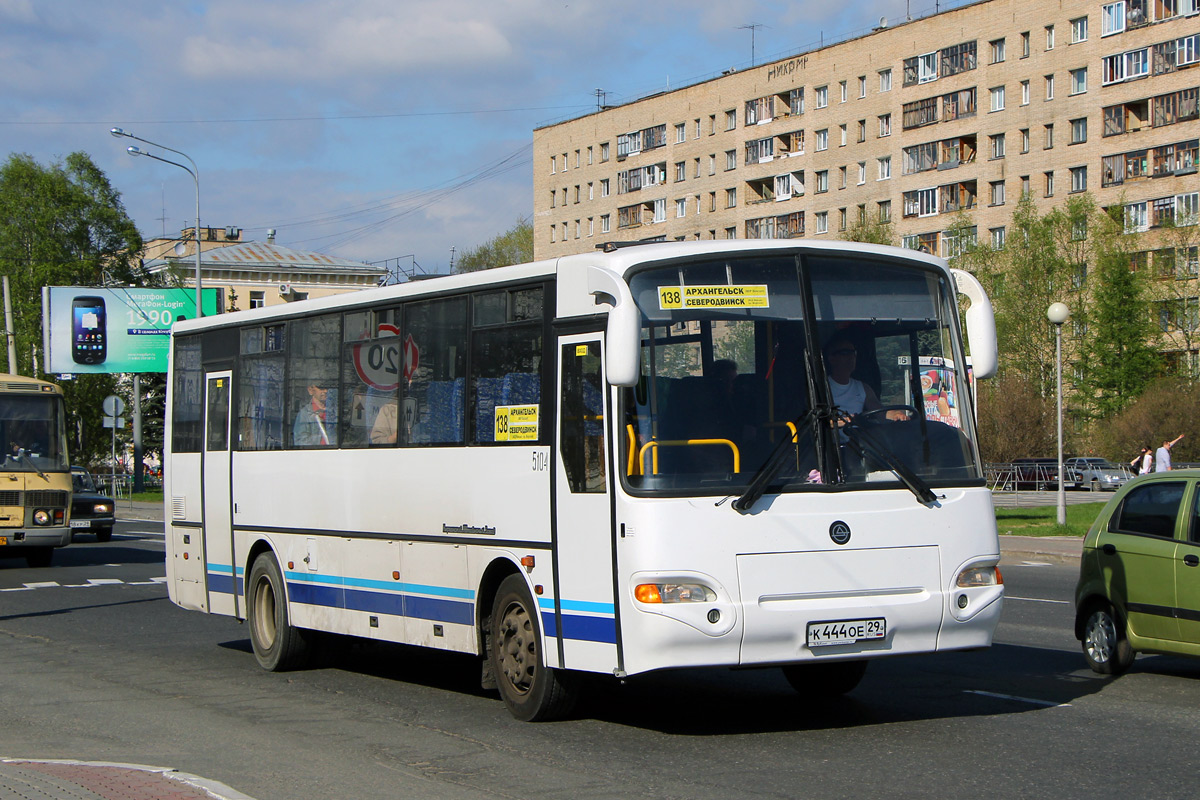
point(654, 444)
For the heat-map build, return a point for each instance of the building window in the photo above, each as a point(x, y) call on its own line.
point(1049, 183)
point(862, 172)
point(885, 168)
point(730, 119)
point(1079, 80)
point(885, 80)
point(731, 198)
point(730, 160)
point(1024, 140)
point(1112, 19)
point(604, 223)
point(822, 96)
point(997, 94)
point(696, 172)
point(1024, 93)
point(731, 233)
point(591, 155)
point(1049, 87)
point(885, 211)
point(842, 88)
point(591, 226)
point(997, 237)
point(822, 140)
point(604, 187)
point(697, 124)
point(997, 50)
point(1049, 37)
point(1025, 44)
point(680, 171)
point(712, 164)
point(257, 298)
point(997, 140)
point(1049, 145)
point(842, 177)
point(841, 219)
point(1078, 179)
point(681, 207)
point(822, 181)
point(862, 86)
point(680, 132)
point(1079, 30)
point(842, 132)
point(553, 164)
point(1079, 130)
point(997, 192)
point(862, 130)
point(885, 125)
point(1025, 189)
point(822, 222)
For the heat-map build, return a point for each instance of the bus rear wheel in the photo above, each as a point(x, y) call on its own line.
point(532, 691)
point(39, 557)
point(825, 679)
point(278, 646)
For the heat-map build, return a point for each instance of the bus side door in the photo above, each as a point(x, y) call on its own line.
point(220, 568)
point(583, 612)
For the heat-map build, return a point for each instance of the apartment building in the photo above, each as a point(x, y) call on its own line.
point(964, 110)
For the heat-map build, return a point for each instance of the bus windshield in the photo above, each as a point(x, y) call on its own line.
point(32, 430)
point(851, 359)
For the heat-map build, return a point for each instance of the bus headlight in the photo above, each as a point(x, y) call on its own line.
point(42, 517)
point(979, 576)
point(674, 593)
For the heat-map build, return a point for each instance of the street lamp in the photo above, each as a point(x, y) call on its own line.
point(1057, 314)
point(194, 172)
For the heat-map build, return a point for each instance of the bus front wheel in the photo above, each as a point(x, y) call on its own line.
point(532, 691)
point(277, 645)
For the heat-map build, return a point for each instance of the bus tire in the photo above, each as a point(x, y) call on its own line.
point(532, 691)
point(39, 557)
point(278, 646)
point(825, 679)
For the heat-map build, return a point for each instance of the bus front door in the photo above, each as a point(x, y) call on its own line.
point(220, 569)
point(583, 613)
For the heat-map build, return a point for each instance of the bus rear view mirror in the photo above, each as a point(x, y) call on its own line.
point(981, 324)
point(624, 328)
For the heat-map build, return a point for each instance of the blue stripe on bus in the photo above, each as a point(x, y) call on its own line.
point(587, 629)
point(312, 589)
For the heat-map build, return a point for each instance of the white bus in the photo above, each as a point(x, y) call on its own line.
point(611, 463)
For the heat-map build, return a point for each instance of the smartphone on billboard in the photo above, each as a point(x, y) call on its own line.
point(89, 330)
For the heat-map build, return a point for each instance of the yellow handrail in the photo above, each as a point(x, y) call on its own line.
point(654, 445)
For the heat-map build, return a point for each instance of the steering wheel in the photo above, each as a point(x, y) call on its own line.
point(867, 416)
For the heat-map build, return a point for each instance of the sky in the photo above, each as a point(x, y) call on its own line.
point(373, 130)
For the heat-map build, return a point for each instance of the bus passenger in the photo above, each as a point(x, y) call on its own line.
point(309, 428)
point(383, 431)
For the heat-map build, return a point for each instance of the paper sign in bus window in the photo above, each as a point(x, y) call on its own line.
point(517, 423)
point(742, 296)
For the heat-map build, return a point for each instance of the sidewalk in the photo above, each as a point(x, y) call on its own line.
point(79, 780)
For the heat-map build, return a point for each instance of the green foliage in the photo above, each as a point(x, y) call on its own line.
point(64, 225)
point(1016, 419)
point(1118, 360)
point(872, 230)
point(1169, 407)
point(514, 246)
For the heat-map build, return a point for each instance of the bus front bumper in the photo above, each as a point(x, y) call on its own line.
point(58, 536)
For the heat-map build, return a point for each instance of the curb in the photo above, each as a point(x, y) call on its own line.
point(212, 788)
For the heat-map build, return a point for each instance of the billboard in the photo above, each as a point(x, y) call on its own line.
point(114, 330)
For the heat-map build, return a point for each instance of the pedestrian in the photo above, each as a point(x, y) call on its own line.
point(1147, 465)
point(1138, 462)
point(1162, 457)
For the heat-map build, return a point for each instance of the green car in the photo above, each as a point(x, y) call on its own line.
point(1139, 575)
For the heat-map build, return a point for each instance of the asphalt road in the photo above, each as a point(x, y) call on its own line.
point(96, 664)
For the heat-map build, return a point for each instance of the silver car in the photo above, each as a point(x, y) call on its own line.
point(1095, 473)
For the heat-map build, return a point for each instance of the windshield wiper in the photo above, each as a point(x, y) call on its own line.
point(774, 463)
point(866, 445)
point(21, 456)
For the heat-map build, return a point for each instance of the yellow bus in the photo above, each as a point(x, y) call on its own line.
point(35, 475)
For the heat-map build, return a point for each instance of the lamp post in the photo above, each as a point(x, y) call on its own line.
point(1057, 314)
point(194, 172)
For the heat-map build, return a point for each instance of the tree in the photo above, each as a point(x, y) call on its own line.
point(873, 230)
point(64, 225)
point(1170, 406)
point(1176, 267)
point(514, 246)
point(1119, 359)
point(1015, 418)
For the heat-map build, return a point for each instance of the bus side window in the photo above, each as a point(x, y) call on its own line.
point(582, 433)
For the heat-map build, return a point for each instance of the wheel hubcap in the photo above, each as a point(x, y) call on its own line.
point(264, 613)
point(1101, 634)
point(518, 648)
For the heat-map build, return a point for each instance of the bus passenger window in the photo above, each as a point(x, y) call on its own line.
point(313, 381)
point(582, 439)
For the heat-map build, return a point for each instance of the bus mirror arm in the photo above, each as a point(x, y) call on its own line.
point(624, 330)
point(981, 324)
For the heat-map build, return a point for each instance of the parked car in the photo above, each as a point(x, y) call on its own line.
point(1138, 590)
point(1095, 474)
point(1035, 473)
point(91, 511)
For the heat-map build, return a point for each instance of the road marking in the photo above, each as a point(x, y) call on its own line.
point(1037, 600)
point(19, 589)
point(91, 583)
point(103, 581)
point(42, 585)
point(1033, 564)
point(1030, 700)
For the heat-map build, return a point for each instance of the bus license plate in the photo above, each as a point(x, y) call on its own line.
point(846, 631)
point(3, 540)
